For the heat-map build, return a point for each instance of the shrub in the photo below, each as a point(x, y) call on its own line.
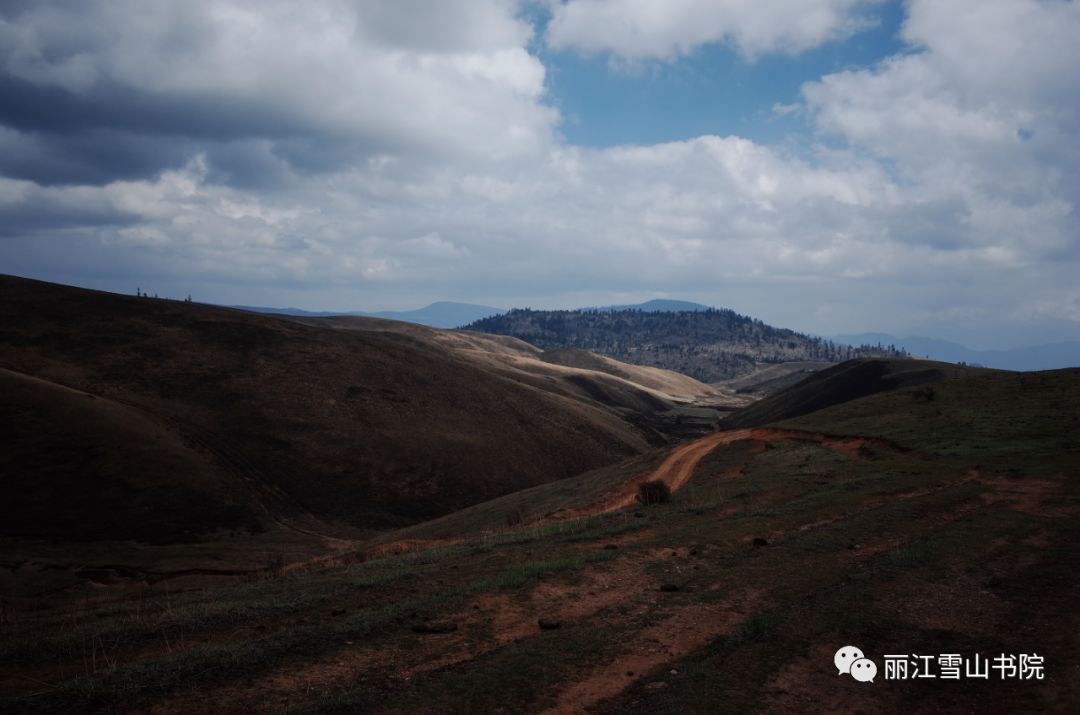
point(653, 492)
point(515, 517)
point(926, 393)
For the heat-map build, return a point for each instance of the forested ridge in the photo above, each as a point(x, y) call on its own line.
point(709, 345)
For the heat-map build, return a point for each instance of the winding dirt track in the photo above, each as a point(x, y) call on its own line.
point(681, 464)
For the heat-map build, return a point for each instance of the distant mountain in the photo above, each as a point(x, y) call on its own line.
point(709, 345)
point(443, 314)
point(287, 311)
point(1037, 357)
point(659, 305)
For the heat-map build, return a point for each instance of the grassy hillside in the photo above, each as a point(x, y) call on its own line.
point(360, 423)
point(842, 383)
point(897, 522)
point(709, 345)
point(1028, 422)
point(82, 468)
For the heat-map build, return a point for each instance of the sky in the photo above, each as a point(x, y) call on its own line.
point(833, 166)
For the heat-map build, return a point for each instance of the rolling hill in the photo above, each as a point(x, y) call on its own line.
point(335, 426)
point(842, 383)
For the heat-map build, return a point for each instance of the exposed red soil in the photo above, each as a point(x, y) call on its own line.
point(688, 629)
point(505, 617)
point(1039, 497)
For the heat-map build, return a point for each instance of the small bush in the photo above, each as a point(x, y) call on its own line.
point(515, 517)
point(926, 393)
point(654, 492)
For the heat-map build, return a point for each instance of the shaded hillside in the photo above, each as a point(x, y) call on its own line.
point(79, 467)
point(841, 383)
point(772, 378)
point(709, 345)
point(365, 426)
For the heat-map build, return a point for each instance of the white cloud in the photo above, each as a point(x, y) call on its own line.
point(420, 162)
point(645, 29)
point(429, 77)
point(979, 116)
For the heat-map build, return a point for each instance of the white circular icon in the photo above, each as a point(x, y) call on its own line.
point(864, 670)
point(845, 657)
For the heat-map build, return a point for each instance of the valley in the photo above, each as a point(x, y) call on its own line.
point(181, 535)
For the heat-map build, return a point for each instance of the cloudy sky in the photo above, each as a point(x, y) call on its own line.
point(827, 165)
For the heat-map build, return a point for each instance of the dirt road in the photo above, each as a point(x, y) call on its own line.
point(679, 467)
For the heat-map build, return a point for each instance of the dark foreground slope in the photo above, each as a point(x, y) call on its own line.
point(262, 419)
point(894, 523)
point(844, 382)
point(77, 467)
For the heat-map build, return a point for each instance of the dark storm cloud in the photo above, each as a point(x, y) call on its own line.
point(118, 133)
point(25, 105)
point(96, 92)
point(93, 156)
point(40, 214)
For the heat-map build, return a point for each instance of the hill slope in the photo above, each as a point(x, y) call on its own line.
point(78, 467)
point(361, 422)
point(709, 345)
point(841, 383)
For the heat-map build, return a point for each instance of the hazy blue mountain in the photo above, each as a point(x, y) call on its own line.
point(443, 314)
point(1036, 357)
point(286, 311)
point(658, 305)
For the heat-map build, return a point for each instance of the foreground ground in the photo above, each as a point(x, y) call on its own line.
point(923, 522)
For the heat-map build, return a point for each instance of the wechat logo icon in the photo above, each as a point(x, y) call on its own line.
point(849, 660)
